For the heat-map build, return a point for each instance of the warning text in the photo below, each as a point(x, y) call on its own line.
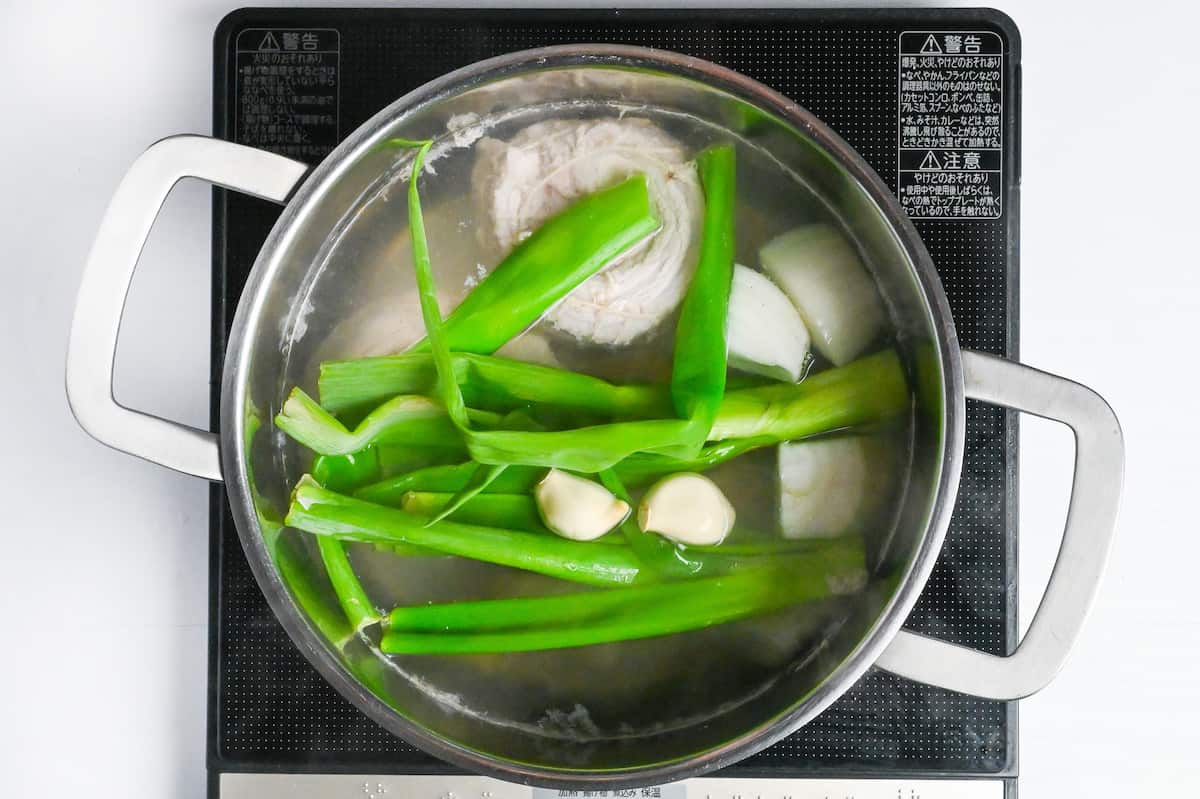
point(951, 126)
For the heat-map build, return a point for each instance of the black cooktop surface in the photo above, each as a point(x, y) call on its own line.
point(296, 81)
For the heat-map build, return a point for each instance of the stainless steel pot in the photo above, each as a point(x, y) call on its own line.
point(277, 330)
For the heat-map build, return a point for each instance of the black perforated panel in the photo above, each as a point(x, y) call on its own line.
point(270, 710)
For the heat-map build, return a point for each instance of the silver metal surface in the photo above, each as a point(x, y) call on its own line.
point(106, 278)
point(391, 786)
point(1086, 541)
point(282, 321)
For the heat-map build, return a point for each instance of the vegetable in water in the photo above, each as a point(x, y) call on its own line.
point(577, 508)
point(588, 449)
point(533, 433)
point(698, 374)
point(687, 508)
point(698, 370)
point(414, 420)
point(526, 181)
point(447, 479)
point(822, 485)
point(320, 511)
point(766, 335)
point(544, 268)
point(517, 625)
point(508, 511)
point(488, 382)
point(661, 558)
point(868, 391)
point(357, 606)
point(820, 271)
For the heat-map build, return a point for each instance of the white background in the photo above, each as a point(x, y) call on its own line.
point(103, 569)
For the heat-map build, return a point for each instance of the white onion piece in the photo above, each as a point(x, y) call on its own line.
point(821, 273)
point(822, 486)
point(765, 333)
point(688, 508)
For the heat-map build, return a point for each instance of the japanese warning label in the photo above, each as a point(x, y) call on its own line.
point(287, 82)
point(950, 128)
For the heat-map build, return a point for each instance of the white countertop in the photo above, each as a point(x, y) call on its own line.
point(103, 595)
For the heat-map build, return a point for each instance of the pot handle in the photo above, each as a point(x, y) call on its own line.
point(1087, 538)
point(107, 276)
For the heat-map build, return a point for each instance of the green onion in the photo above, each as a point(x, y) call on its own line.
point(484, 475)
point(587, 449)
point(761, 548)
point(357, 606)
point(867, 391)
point(408, 551)
point(698, 374)
point(296, 568)
point(583, 449)
point(595, 617)
point(411, 419)
point(508, 511)
point(639, 468)
point(448, 480)
point(319, 511)
point(308, 586)
point(871, 390)
point(362, 383)
point(348, 472)
point(562, 253)
point(698, 377)
point(487, 381)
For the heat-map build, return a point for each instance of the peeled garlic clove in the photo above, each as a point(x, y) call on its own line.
point(688, 508)
point(576, 508)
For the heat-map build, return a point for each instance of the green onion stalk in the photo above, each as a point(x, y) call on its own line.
point(869, 391)
point(508, 511)
point(486, 381)
point(586, 449)
point(412, 419)
point(348, 472)
point(322, 512)
point(561, 254)
point(605, 616)
point(698, 371)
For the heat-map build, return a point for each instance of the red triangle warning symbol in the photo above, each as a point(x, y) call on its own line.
point(930, 161)
point(269, 42)
point(931, 46)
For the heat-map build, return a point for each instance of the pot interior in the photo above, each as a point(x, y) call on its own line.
point(336, 281)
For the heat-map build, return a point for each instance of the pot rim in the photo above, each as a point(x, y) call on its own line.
point(235, 386)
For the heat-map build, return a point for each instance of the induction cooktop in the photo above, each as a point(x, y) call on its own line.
point(295, 81)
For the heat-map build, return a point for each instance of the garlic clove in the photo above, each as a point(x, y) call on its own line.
point(687, 508)
point(576, 508)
